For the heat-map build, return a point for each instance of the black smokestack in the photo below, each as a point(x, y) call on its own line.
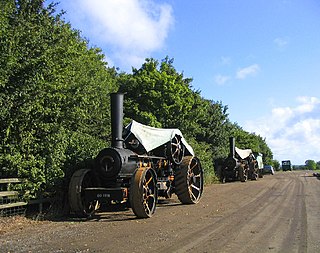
point(116, 119)
point(232, 145)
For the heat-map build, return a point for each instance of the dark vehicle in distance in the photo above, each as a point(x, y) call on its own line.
point(241, 164)
point(143, 164)
point(286, 165)
point(268, 169)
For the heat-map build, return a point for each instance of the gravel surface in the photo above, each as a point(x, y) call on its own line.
point(274, 214)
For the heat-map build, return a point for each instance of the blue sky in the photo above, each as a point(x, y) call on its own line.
point(260, 58)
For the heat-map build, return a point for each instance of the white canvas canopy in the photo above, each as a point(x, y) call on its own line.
point(243, 153)
point(151, 137)
point(259, 160)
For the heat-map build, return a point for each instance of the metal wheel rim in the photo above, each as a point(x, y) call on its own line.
point(177, 150)
point(144, 192)
point(149, 192)
point(80, 180)
point(195, 180)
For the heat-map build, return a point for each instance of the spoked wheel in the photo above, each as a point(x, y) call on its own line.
point(242, 174)
point(189, 180)
point(177, 149)
point(143, 192)
point(254, 176)
point(81, 180)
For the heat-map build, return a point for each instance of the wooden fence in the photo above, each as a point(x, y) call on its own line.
point(10, 200)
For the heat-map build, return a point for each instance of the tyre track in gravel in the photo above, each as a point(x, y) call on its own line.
point(219, 233)
point(312, 190)
point(261, 225)
point(280, 224)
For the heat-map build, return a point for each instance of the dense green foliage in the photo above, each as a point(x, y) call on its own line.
point(276, 164)
point(53, 95)
point(311, 165)
point(54, 100)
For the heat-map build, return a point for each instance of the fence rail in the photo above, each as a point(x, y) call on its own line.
point(8, 193)
point(10, 180)
point(10, 202)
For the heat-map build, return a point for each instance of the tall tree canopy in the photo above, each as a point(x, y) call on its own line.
point(53, 92)
point(311, 164)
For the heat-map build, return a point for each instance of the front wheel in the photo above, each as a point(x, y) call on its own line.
point(143, 192)
point(81, 180)
point(189, 180)
point(242, 174)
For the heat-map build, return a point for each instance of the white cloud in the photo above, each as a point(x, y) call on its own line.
point(131, 29)
point(240, 74)
point(224, 60)
point(221, 79)
point(247, 71)
point(307, 104)
point(292, 132)
point(281, 42)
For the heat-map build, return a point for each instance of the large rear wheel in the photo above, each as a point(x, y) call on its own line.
point(177, 149)
point(143, 192)
point(81, 180)
point(189, 180)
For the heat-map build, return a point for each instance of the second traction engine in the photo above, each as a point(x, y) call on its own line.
point(241, 164)
point(142, 164)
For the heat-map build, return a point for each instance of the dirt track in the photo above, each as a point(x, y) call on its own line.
point(274, 214)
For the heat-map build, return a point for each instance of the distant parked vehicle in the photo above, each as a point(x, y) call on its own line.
point(286, 165)
point(268, 169)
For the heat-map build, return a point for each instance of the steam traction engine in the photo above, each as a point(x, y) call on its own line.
point(142, 164)
point(241, 164)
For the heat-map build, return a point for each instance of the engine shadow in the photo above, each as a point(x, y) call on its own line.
point(117, 213)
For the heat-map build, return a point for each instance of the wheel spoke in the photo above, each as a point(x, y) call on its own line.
point(148, 182)
point(148, 202)
point(195, 165)
point(147, 208)
point(192, 195)
point(195, 187)
point(151, 196)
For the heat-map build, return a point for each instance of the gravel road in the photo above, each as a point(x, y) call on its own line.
point(274, 214)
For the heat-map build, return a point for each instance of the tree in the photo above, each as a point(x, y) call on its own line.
point(159, 96)
point(310, 164)
point(276, 164)
point(246, 140)
point(54, 94)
